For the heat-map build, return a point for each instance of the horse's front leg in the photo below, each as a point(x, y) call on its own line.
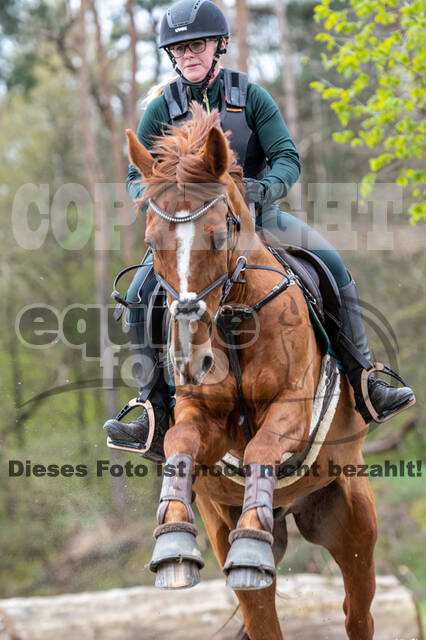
point(250, 562)
point(176, 559)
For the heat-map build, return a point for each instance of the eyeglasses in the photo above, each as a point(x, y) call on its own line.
point(195, 46)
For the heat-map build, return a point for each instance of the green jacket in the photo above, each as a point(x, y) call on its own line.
point(263, 117)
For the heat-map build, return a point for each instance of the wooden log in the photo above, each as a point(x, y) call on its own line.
point(309, 606)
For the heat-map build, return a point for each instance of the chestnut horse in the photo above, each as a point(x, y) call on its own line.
point(203, 241)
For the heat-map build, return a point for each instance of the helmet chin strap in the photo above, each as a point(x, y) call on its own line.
point(202, 84)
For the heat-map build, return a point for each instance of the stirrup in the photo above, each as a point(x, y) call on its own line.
point(379, 366)
point(137, 448)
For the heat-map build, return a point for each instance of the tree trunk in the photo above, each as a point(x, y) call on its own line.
point(116, 138)
point(317, 146)
point(15, 366)
point(158, 55)
point(288, 77)
point(310, 606)
point(101, 233)
point(225, 60)
point(75, 365)
point(131, 115)
point(241, 26)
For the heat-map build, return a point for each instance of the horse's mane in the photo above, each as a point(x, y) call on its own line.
point(178, 154)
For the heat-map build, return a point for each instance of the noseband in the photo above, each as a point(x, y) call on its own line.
point(233, 222)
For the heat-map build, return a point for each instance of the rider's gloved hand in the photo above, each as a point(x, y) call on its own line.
point(255, 191)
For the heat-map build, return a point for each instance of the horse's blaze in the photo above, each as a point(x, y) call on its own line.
point(191, 352)
point(185, 236)
point(192, 361)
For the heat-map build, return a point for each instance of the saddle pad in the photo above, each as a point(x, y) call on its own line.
point(295, 466)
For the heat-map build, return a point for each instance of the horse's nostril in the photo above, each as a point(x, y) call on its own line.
point(207, 363)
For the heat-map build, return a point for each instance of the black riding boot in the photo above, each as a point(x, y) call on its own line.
point(132, 436)
point(386, 400)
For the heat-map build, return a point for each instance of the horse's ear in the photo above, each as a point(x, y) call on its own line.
point(216, 152)
point(138, 155)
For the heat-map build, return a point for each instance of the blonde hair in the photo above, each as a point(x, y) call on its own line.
point(156, 90)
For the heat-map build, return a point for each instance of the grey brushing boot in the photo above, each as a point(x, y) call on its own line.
point(133, 436)
point(378, 400)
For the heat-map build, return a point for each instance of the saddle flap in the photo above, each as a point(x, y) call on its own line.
point(315, 276)
point(327, 285)
point(308, 275)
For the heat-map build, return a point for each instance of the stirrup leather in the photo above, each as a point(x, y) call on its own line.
point(136, 402)
point(379, 366)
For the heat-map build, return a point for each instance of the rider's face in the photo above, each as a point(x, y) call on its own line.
point(194, 66)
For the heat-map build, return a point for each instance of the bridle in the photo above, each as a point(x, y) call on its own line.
point(233, 226)
point(228, 317)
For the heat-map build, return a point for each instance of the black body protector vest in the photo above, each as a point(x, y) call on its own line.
point(233, 91)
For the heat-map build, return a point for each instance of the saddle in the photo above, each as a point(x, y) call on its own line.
point(316, 281)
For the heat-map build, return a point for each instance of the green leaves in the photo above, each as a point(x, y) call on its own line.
point(382, 62)
point(343, 136)
point(326, 37)
point(380, 161)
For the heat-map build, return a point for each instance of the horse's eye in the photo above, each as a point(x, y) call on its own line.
point(219, 238)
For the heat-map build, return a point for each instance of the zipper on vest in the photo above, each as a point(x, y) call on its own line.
point(206, 100)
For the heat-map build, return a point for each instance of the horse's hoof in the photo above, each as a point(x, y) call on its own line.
point(176, 560)
point(177, 575)
point(247, 579)
point(249, 564)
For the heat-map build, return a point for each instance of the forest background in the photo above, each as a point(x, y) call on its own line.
point(72, 78)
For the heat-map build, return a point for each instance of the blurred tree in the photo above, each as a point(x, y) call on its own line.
point(131, 115)
point(95, 178)
point(226, 59)
point(32, 34)
point(152, 12)
point(241, 29)
point(379, 53)
point(287, 75)
point(114, 125)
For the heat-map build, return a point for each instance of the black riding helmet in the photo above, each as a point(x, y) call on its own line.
point(191, 20)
